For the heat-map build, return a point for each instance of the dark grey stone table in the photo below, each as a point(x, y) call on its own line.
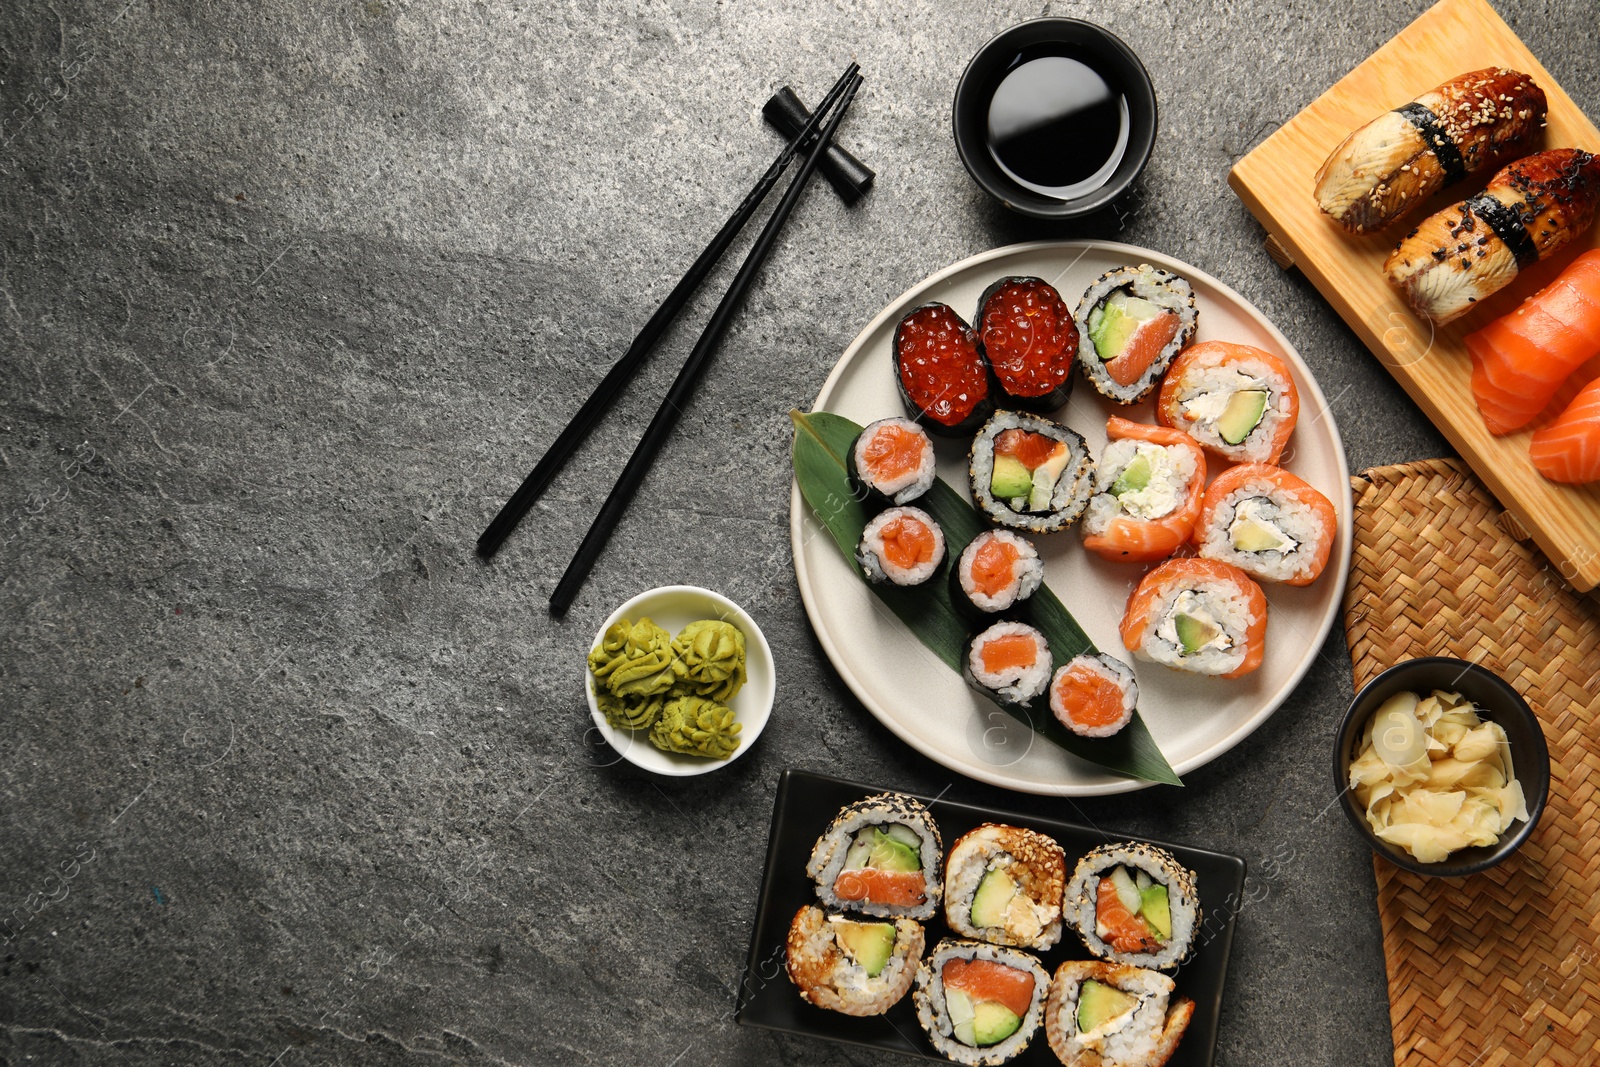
point(291, 295)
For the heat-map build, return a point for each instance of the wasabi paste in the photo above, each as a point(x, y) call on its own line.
point(635, 661)
point(695, 726)
point(712, 654)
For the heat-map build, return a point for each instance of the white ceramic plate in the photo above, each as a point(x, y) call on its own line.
point(673, 607)
point(1194, 719)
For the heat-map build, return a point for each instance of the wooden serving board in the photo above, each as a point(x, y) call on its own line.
point(1275, 181)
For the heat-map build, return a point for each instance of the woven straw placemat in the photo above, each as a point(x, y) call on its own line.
point(1501, 967)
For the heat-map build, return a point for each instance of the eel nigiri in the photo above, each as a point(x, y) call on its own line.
point(1521, 359)
point(1402, 157)
point(1472, 250)
point(1568, 450)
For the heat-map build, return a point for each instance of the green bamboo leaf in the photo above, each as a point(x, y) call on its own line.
point(821, 442)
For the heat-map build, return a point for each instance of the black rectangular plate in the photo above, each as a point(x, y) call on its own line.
point(807, 803)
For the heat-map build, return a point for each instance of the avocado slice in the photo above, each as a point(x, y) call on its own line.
point(1157, 912)
point(1242, 415)
point(869, 944)
point(1010, 478)
point(1099, 1003)
point(994, 894)
point(1113, 323)
point(959, 1005)
point(1194, 634)
point(1253, 535)
point(1134, 477)
point(993, 1023)
point(891, 855)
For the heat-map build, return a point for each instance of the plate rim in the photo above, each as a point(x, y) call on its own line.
point(1344, 502)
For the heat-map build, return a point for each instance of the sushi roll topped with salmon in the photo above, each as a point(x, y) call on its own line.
point(880, 856)
point(1151, 482)
point(1132, 323)
point(1239, 402)
point(1199, 615)
point(1268, 523)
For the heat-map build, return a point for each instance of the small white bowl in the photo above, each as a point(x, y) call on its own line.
point(673, 607)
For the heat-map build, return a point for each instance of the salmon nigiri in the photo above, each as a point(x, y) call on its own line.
point(1568, 450)
point(1521, 359)
point(1151, 480)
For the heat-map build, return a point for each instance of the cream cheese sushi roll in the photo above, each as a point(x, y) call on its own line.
point(1151, 481)
point(1134, 903)
point(853, 966)
point(1268, 523)
point(1004, 884)
point(1239, 402)
point(1029, 473)
point(1132, 323)
point(980, 1004)
point(1113, 1015)
point(995, 572)
point(901, 546)
point(1009, 663)
point(1094, 695)
point(891, 462)
point(880, 856)
point(1199, 615)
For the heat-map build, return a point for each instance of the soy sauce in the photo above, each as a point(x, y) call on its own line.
point(1057, 124)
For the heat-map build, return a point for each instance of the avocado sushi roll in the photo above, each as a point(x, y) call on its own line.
point(980, 1004)
point(891, 462)
point(1113, 1015)
point(1134, 903)
point(1009, 662)
point(1268, 523)
point(1029, 340)
point(997, 571)
point(1199, 615)
point(1132, 322)
point(901, 546)
point(1239, 402)
point(880, 856)
point(853, 966)
point(1003, 884)
point(1031, 474)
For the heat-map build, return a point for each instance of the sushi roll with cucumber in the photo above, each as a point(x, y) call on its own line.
point(940, 370)
point(1003, 884)
point(1132, 323)
point(1094, 695)
point(1113, 1015)
point(1199, 615)
point(891, 462)
point(1268, 523)
point(1029, 473)
point(1134, 903)
point(1151, 480)
point(980, 1004)
point(901, 546)
point(1009, 663)
point(1029, 340)
point(853, 966)
point(995, 572)
point(1239, 402)
point(880, 856)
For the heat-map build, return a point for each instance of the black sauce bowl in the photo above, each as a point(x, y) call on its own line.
point(1495, 700)
point(1102, 50)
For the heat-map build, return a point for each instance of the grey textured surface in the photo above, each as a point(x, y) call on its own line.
point(292, 295)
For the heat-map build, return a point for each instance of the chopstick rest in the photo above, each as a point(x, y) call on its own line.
point(849, 177)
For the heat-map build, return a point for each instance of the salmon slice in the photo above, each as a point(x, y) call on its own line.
point(1131, 540)
point(1031, 449)
point(995, 982)
point(1143, 348)
point(993, 566)
point(907, 543)
point(893, 452)
point(1009, 652)
point(1092, 699)
point(1568, 450)
point(1125, 931)
point(903, 889)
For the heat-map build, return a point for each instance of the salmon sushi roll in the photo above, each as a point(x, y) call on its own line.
point(1094, 695)
point(1268, 523)
point(980, 1004)
point(891, 462)
point(940, 371)
point(852, 966)
point(1028, 473)
point(1199, 615)
point(995, 572)
point(1003, 884)
point(1568, 450)
point(1151, 480)
point(1132, 323)
point(901, 546)
point(1239, 402)
point(880, 856)
point(1114, 1015)
point(1134, 904)
point(1009, 663)
point(1030, 342)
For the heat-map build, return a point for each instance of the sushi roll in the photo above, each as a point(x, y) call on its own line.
point(995, 572)
point(891, 462)
point(980, 1004)
point(1199, 615)
point(1112, 1015)
point(1151, 481)
point(852, 966)
point(940, 371)
point(1239, 402)
point(1134, 903)
point(1030, 473)
point(880, 856)
point(1268, 523)
point(901, 546)
point(1030, 341)
point(1009, 663)
point(1132, 323)
point(1094, 695)
point(1003, 884)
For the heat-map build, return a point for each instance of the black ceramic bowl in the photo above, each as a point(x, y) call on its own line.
point(1075, 39)
point(1495, 700)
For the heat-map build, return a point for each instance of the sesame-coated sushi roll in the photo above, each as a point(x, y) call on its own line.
point(1239, 402)
point(1131, 323)
point(880, 856)
point(995, 572)
point(1268, 523)
point(891, 462)
point(1151, 480)
point(1136, 904)
point(901, 546)
point(940, 370)
point(1029, 473)
point(1003, 884)
point(1094, 695)
point(980, 1004)
point(1199, 615)
point(1009, 663)
point(1030, 341)
point(1113, 1015)
point(854, 966)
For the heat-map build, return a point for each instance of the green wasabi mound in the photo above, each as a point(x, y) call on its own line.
point(696, 726)
point(712, 654)
point(630, 713)
point(635, 661)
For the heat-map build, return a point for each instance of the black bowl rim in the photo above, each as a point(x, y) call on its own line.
point(1009, 193)
point(1481, 857)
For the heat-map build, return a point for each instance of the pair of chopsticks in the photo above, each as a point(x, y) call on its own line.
point(815, 144)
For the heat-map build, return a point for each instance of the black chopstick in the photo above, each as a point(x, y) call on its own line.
point(611, 385)
point(678, 396)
